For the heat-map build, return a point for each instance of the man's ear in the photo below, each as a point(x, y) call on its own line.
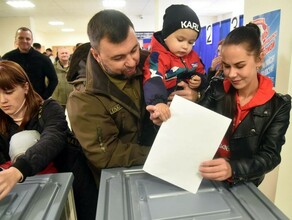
point(95, 54)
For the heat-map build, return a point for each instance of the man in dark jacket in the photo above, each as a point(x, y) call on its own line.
point(108, 116)
point(37, 66)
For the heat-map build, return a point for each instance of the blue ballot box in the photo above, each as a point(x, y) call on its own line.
point(48, 196)
point(132, 194)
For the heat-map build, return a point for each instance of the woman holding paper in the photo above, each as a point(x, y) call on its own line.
point(260, 116)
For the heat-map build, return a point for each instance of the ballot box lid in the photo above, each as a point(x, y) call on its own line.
point(132, 194)
point(38, 197)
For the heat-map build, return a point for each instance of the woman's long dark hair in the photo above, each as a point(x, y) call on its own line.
point(249, 37)
point(11, 75)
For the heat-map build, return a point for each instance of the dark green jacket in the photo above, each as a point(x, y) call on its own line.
point(63, 88)
point(111, 129)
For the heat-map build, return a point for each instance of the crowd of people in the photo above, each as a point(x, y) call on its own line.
point(116, 93)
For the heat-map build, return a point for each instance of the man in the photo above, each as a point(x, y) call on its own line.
point(37, 46)
point(49, 53)
point(109, 117)
point(61, 66)
point(37, 66)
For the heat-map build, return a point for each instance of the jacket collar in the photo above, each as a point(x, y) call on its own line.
point(31, 50)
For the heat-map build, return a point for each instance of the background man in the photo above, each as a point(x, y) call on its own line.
point(37, 66)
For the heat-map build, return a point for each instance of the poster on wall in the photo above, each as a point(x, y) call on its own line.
point(269, 24)
point(144, 39)
point(209, 34)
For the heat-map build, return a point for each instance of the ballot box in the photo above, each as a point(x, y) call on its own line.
point(127, 194)
point(41, 197)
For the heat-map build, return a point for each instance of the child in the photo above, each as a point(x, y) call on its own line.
point(172, 59)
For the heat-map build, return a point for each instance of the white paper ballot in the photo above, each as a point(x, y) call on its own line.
point(191, 135)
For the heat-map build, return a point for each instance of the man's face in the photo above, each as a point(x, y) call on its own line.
point(119, 58)
point(23, 41)
point(48, 53)
point(63, 54)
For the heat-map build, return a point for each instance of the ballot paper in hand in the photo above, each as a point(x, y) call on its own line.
point(191, 136)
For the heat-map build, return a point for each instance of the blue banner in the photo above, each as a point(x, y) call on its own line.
point(269, 23)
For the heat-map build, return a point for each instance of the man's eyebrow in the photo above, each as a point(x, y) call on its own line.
point(117, 56)
point(121, 55)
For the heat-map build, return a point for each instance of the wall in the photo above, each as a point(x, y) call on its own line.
point(277, 185)
point(8, 28)
point(10, 25)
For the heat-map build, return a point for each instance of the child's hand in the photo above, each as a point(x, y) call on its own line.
point(163, 111)
point(195, 82)
point(154, 117)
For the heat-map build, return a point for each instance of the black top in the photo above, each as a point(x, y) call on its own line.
point(38, 67)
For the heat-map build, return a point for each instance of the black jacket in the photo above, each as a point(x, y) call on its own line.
point(38, 67)
point(256, 144)
point(53, 139)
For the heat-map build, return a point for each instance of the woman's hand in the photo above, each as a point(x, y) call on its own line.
point(217, 169)
point(8, 179)
point(215, 63)
point(186, 92)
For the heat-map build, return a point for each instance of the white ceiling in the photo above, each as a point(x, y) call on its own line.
point(76, 13)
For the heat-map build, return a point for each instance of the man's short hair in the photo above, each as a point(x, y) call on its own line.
point(22, 29)
point(109, 23)
point(37, 45)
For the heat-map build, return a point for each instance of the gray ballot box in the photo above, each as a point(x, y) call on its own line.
point(40, 197)
point(127, 194)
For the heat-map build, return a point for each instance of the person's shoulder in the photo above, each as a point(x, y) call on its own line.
point(85, 103)
point(51, 104)
point(9, 54)
point(82, 95)
point(78, 62)
point(284, 97)
point(39, 55)
point(87, 98)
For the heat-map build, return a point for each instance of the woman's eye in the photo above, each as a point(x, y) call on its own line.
point(9, 92)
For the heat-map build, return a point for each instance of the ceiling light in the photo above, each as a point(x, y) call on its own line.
point(67, 30)
point(20, 4)
point(114, 3)
point(56, 23)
